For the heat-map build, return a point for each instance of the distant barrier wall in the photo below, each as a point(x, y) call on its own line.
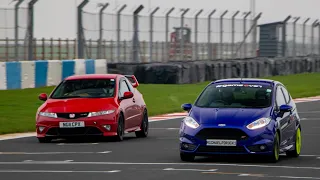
point(32, 74)
point(200, 71)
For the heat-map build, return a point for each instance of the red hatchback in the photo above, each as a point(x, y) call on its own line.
point(92, 105)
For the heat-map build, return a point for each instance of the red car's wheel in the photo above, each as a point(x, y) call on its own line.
point(144, 126)
point(120, 130)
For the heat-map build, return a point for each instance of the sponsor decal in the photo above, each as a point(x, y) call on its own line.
point(239, 85)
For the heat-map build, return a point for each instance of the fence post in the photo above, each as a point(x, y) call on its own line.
point(244, 34)
point(314, 24)
point(319, 39)
point(151, 34)
point(181, 34)
point(119, 31)
point(136, 45)
point(80, 30)
point(284, 36)
point(221, 34)
point(295, 36)
point(30, 28)
point(103, 7)
point(16, 29)
point(233, 34)
point(209, 35)
point(304, 36)
point(196, 34)
point(167, 33)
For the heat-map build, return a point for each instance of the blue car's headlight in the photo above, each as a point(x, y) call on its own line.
point(190, 122)
point(100, 113)
point(47, 114)
point(262, 122)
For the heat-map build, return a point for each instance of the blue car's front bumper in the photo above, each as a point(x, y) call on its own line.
point(194, 141)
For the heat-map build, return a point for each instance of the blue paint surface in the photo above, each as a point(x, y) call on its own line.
point(41, 73)
point(90, 66)
point(68, 68)
point(13, 73)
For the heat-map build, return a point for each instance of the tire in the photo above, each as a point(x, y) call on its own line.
point(120, 129)
point(297, 145)
point(274, 157)
point(186, 157)
point(144, 126)
point(44, 140)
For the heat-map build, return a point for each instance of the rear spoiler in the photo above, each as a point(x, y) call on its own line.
point(133, 80)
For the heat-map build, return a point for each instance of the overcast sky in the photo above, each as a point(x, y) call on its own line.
point(57, 18)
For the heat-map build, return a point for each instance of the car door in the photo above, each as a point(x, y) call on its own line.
point(291, 122)
point(137, 112)
point(126, 104)
point(285, 119)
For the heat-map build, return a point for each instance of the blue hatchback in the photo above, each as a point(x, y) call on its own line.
point(241, 116)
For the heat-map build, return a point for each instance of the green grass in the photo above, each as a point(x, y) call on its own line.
point(18, 107)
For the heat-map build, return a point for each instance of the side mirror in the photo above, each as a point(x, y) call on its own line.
point(285, 108)
point(127, 95)
point(43, 97)
point(186, 107)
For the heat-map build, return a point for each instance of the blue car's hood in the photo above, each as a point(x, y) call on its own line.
point(228, 116)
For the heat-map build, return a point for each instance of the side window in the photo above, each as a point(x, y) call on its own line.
point(286, 94)
point(279, 97)
point(123, 88)
point(129, 85)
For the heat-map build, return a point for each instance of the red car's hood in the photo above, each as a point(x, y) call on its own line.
point(78, 105)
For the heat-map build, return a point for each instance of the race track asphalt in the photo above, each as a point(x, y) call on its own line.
point(153, 158)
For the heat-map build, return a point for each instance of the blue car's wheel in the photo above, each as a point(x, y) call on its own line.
point(297, 144)
point(186, 157)
point(274, 157)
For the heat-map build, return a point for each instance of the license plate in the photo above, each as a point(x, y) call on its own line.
point(218, 142)
point(71, 124)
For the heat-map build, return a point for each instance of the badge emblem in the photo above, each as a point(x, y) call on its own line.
point(72, 115)
point(221, 125)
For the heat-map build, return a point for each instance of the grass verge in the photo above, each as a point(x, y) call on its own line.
point(18, 107)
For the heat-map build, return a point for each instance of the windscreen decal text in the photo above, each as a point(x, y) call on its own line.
point(239, 85)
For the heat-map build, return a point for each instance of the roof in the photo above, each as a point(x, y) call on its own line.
point(269, 81)
point(93, 76)
point(273, 23)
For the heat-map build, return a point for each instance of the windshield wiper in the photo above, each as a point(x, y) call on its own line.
point(66, 97)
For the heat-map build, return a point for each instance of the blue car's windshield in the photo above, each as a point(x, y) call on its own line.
point(85, 88)
point(235, 96)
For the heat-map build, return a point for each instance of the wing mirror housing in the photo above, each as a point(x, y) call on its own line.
point(186, 107)
point(283, 109)
point(43, 97)
point(127, 95)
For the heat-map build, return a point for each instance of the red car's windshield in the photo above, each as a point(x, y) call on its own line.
point(85, 88)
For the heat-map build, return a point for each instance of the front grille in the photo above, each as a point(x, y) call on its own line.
point(222, 149)
point(221, 133)
point(76, 115)
point(74, 131)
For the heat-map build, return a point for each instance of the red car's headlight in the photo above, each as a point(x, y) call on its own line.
point(100, 113)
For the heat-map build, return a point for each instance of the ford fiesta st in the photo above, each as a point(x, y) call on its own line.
point(241, 116)
point(92, 105)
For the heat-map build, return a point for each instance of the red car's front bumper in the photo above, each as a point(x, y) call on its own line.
point(94, 126)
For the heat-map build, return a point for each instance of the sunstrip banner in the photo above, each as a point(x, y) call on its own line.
point(41, 73)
